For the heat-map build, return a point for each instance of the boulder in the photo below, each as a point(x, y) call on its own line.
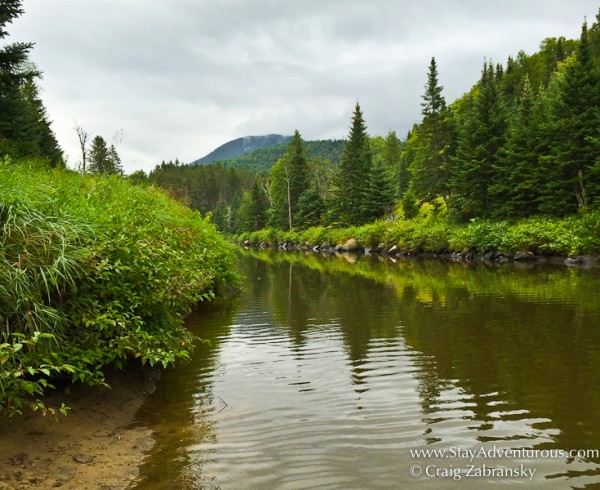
point(524, 257)
point(350, 245)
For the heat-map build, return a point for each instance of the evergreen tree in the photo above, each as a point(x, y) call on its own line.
point(311, 208)
point(380, 192)
point(518, 182)
point(115, 166)
point(289, 179)
point(298, 171)
point(105, 160)
point(24, 126)
point(99, 156)
point(258, 208)
point(480, 139)
point(352, 180)
point(431, 165)
point(575, 177)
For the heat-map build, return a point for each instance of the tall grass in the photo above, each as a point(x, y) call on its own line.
point(95, 271)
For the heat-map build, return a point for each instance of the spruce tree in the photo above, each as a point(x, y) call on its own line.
point(99, 162)
point(431, 164)
point(576, 177)
point(517, 184)
point(298, 171)
point(311, 208)
point(289, 179)
point(352, 180)
point(380, 192)
point(24, 125)
point(258, 209)
point(481, 137)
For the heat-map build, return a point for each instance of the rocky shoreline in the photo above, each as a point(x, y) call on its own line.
point(467, 256)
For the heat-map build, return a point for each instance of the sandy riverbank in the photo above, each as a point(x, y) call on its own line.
point(94, 447)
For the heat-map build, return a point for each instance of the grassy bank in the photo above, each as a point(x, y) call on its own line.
point(431, 231)
point(95, 271)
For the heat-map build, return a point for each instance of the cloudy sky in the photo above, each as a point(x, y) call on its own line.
point(179, 78)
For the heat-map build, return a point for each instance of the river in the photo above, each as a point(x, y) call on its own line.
point(330, 372)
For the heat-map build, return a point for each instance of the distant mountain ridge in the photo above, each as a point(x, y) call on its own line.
point(264, 158)
point(241, 146)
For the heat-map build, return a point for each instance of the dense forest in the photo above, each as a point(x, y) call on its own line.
point(523, 141)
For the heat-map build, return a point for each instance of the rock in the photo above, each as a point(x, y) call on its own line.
point(82, 458)
point(18, 459)
point(524, 256)
point(581, 261)
point(350, 245)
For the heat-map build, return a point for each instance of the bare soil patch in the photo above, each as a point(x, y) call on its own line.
point(96, 446)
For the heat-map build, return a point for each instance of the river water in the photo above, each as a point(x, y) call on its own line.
point(330, 372)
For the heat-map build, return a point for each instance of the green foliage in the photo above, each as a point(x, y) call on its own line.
point(432, 231)
point(24, 124)
point(95, 271)
point(263, 159)
point(351, 191)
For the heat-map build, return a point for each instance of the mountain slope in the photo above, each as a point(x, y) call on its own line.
point(264, 158)
point(241, 146)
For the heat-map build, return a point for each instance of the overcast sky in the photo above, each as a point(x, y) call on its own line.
point(181, 77)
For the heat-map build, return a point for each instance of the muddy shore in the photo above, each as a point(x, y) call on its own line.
point(96, 446)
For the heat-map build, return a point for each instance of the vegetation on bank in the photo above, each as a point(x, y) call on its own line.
point(432, 231)
point(95, 271)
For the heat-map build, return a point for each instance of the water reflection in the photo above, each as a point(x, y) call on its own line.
point(327, 371)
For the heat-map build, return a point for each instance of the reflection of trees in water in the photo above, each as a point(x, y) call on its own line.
point(508, 338)
point(179, 411)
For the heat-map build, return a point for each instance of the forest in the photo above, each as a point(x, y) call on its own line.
point(524, 141)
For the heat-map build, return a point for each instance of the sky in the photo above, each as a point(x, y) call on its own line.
point(176, 79)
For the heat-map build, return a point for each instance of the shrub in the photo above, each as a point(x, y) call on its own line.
point(95, 271)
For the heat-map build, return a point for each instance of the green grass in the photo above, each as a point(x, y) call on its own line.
point(95, 271)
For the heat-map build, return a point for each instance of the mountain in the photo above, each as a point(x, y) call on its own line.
point(241, 146)
point(264, 158)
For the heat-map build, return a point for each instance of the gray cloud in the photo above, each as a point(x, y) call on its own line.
point(184, 76)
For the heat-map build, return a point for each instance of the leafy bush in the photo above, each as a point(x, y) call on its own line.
point(432, 231)
point(95, 271)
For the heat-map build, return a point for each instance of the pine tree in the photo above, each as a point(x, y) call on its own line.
point(517, 184)
point(115, 166)
point(298, 171)
point(24, 125)
point(352, 180)
point(289, 179)
point(98, 156)
point(481, 137)
point(258, 208)
point(577, 129)
point(431, 164)
point(311, 208)
point(380, 192)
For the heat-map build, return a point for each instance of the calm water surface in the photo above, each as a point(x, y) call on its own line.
point(328, 371)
